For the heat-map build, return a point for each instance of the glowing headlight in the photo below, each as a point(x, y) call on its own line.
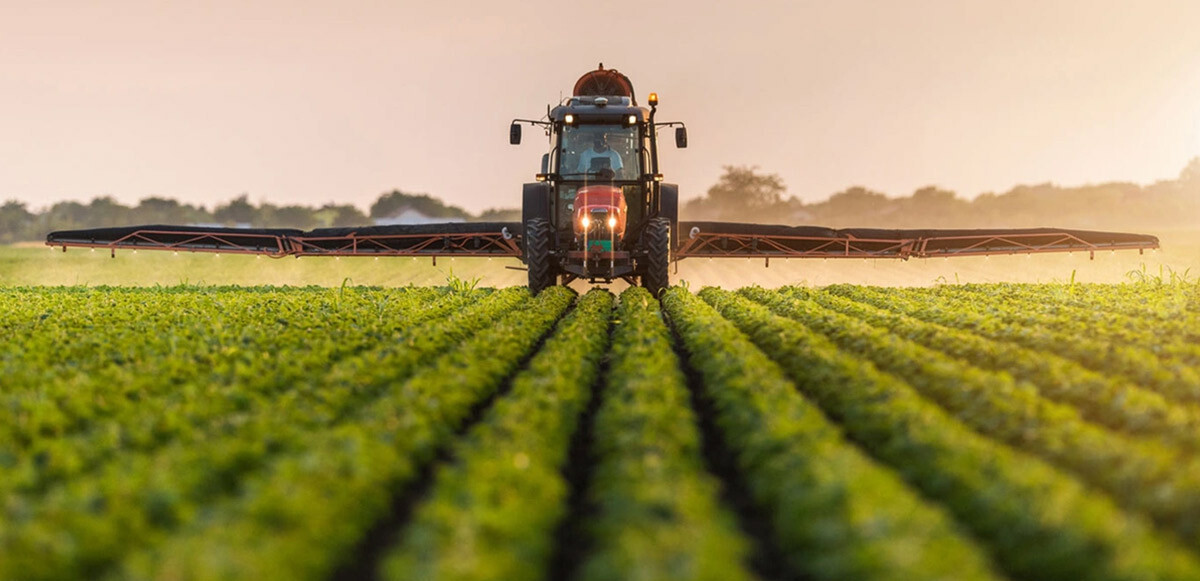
point(569, 119)
point(612, 222)
point(585, 222)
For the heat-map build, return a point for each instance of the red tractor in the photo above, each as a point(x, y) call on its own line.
point(599, 209)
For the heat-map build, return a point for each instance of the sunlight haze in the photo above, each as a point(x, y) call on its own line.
point(313, 102)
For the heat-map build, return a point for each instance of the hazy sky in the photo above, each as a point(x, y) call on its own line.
point(296, 101)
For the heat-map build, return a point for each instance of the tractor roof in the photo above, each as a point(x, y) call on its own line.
point(599, 109)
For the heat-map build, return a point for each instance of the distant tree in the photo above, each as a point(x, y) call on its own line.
point(157, 210)
point(930, 207)
point(933, 196)
point(68, 215)
point(740, 187)
point(856, 206)
point(237, 211)
point(1025, 206)
point(105, 211)
point(340, 216)
point(857, 200)
point(499, 215)
point(15, 222)
point(1191, 173)
point(741, 194)
point(395, 202)
point(272, 216)
point(1185, 202)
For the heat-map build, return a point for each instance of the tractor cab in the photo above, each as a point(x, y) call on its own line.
point(599, 192)
point(599, 158)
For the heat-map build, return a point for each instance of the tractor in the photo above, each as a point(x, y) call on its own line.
point(599, 209)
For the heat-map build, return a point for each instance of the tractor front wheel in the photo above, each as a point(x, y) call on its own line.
point(537, 255)
point(656, 277)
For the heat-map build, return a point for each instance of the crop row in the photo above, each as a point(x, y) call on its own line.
point(1146, 476)
point(147, 408)
point(88, 522)
point(1176, 382)
point(657, 513)
point(83, 360)
point(494, 508)
point(305, 514)
point(233, 411)
point(1037, 521)
point(1145, 305)
point(1171, 340)
point(1106, 400)
point(835, 513)
point(1173, 343)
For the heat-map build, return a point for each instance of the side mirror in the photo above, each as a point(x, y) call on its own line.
point(514, 134)
point(545, 163)
point(681, 137)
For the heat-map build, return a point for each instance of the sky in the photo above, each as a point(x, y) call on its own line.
point(298, 101)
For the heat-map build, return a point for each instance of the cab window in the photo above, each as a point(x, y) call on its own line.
point(587, 148)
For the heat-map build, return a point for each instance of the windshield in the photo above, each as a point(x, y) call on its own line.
point(591, 151)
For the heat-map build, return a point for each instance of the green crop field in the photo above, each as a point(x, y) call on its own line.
point(975, 431)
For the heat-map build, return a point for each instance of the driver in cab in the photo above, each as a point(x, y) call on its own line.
point(600, 156)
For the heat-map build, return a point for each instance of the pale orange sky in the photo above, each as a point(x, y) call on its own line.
point(312, 102)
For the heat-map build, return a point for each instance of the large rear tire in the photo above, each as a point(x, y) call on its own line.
point(537, 255)
point(657, 277)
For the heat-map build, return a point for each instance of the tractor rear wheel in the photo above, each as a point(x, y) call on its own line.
point(656, 278)
point(537, 255)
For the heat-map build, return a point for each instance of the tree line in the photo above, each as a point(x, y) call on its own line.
point(744, 194)
point(741, 194)
point(18, 223)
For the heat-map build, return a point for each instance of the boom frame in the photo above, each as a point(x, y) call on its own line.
point(703, 240)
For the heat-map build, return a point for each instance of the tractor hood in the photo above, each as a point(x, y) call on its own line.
point(599, 212)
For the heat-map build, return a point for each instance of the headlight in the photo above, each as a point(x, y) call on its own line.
point(569, 119)
point(612, 222)
point(585, 222)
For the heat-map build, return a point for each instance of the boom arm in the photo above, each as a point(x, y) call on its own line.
point(452, 239)
point(731, 239)
point(695, 239)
